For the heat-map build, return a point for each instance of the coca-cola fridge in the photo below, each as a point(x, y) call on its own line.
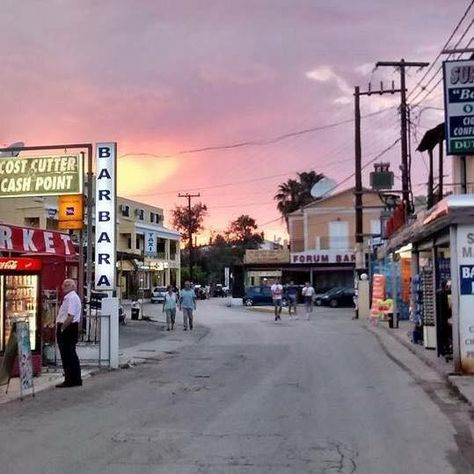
point(19, 301)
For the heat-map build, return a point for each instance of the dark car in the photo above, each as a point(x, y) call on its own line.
point(338, 297)
point(323, 293)
point(260, 295)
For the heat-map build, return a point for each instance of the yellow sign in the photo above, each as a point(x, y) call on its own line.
point(267, 256)
point(71, 212)
point(40, 176)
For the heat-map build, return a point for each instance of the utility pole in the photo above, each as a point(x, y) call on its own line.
point(402, 65)
point(190, 232)
point(359, 191)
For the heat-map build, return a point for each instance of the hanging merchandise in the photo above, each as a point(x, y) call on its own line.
point(429, 330)
point(405, 288)
point(416, 314)
point(380, 306)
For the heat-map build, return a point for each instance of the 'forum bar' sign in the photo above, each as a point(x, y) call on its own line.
point(323, 256)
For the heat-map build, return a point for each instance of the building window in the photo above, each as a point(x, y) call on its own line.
point(32, 221)
point(339, 235)
point(375, 228)
point(125, 210)
point(317, 243)
point(152, 217)
point(129, 243)
point(173, 249)
point(140, 214)
point(137, 242)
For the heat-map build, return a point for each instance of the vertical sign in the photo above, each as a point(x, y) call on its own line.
point(459, 106)
point(227, 277)
point(465, 261)
point(150, 244)
point(105, 216)
point(24, 355)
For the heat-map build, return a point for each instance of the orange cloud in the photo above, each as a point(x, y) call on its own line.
point(136, 176)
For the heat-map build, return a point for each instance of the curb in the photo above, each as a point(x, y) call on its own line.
point(453, 385)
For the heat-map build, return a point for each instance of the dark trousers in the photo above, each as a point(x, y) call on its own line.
point(67, 341)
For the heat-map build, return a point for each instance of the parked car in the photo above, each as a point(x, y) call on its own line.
point(200, 292)
point(343, 297)
point(158, 294)
point(260, 295)
point(218, 291)
point(322, 294)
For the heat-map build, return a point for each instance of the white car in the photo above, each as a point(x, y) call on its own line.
point(158, 294)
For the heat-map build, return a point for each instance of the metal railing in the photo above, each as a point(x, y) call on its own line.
point(89, 347)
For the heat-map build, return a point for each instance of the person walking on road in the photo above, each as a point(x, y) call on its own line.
point(291, 293)
point(308, 294)
point(187, 302)
point(277, 296)
point(169, 307)
point(67, 332)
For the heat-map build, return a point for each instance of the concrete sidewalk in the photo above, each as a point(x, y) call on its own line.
point(464, 384)
point(160, 347)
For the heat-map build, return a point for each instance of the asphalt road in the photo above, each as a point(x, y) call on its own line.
point(249, 396)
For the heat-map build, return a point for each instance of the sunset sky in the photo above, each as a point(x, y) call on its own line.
point(161, 77)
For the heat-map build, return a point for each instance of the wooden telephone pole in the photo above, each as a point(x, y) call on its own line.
point(406, 186)
point(359, 191)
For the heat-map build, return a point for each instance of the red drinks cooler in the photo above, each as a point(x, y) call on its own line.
point(20, 301)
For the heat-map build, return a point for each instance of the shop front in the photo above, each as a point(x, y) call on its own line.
point(324, 269)
point(33, 265)
point(442, 288)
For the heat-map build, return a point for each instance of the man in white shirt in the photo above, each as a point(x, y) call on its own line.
point(308, 294)
point(277, 296)
point(67, 332)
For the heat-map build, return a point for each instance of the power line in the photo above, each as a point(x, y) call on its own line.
point(260, 142)
point(441, 79)
point(433, 62)
point(347, 178)
point(330, 154)
point(425, 86)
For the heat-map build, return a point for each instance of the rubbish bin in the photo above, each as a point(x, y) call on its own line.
point(135, 313)
point(390, 321)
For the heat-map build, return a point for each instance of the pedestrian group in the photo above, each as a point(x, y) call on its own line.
point(291, 294)
point(186, 301)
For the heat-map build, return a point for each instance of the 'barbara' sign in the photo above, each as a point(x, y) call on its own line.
point(105, 205)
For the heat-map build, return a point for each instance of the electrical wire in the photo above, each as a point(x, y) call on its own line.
point(433, 62)
point(260, 142)
point(347, 178)
point(425, 86)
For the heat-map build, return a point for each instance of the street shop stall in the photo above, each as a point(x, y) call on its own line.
point(33, 265)
point(442, 275)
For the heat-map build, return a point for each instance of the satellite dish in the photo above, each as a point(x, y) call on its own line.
point(323, 187)
point(4, 154)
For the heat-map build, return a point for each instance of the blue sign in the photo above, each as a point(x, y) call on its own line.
point(466, 279)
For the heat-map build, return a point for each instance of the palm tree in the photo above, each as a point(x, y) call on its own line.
point(288, 197)
point(308, 179)
point(294, 194)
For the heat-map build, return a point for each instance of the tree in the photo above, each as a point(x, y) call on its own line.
point(296, 193)
point(188, 221)
point(242, 231)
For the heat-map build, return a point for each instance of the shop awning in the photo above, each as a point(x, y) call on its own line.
point(126, 266)
point(34, 240)
point(453, 209)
